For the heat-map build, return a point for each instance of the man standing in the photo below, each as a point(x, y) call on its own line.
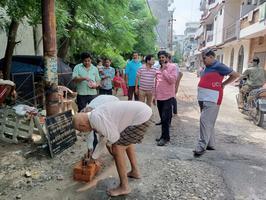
point(256, 77)
point(107, 76)
point(146, 79)
point(164, 93)
point(210, 94)
point(122, 124)
point(87, 79)
point(131, 73)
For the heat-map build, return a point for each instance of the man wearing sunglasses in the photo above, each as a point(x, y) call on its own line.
point(255, 78)
point(210, 94)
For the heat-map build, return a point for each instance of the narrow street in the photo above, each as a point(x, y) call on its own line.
point(235, 170)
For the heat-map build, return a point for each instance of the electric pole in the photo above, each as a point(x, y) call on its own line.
point(50, 58)
point(171, 26)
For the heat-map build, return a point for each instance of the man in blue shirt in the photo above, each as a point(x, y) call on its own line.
point(131, 74)
point(107, 75)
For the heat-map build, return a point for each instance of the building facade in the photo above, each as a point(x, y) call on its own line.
point(236, 29)
point(190, 44)
point(162, 11)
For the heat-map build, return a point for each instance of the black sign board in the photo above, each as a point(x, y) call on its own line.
point(61, 133)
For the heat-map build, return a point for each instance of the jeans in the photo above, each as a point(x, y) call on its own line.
point(83, 100)
point(174, 105)
point(131, 92)
point(104, 91)
point(165, 112)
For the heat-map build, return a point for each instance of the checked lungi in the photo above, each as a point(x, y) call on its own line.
point(133, 134)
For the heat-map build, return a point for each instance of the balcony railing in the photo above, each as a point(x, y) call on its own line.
point(209, 36)
point(231, 32)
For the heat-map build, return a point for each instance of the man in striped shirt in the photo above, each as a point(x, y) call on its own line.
point(146, 79)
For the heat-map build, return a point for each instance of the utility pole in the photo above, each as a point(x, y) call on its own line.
point(171, 26)
point(50, 58)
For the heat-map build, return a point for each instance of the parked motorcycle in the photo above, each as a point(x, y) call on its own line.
point(254, 104)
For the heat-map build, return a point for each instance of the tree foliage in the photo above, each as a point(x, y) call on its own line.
point(17, 11)
point(144, 24)
point(108, 28)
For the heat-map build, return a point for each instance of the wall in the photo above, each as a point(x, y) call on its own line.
point(258, 45)
point(26, 45)
point(236, 45)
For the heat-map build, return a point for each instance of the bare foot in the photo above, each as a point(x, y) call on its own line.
point(118, 191)
point(133, 174)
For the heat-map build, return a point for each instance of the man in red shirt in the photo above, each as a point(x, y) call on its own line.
point(210, 94)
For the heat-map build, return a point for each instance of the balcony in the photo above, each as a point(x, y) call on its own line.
point(246, 8)
point(252, 25)
point(231, 32)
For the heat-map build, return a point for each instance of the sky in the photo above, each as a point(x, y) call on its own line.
point(185, 11)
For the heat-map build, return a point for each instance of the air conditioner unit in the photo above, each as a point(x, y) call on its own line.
point(254, 2)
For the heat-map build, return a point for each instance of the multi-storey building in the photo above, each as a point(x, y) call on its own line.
point(190, 44)
point(253, 27)
point(178, 43)
point(236, 28)
point(163, 10)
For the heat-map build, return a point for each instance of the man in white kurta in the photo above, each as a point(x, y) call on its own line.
point(121, 124)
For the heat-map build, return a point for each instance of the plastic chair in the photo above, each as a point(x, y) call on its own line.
point(67, 99)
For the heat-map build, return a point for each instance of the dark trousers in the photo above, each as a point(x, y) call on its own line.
point(174, 105)
point(165, 112)
point(131, 92)
point(83, 100)
point(104, 91)
point(95, 140)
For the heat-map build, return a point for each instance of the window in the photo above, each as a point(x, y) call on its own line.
point(209, 27)
point(211, 1)
point(221, 11)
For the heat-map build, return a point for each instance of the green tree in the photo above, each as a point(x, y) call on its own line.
point(17, 11)
point(109, 28)
point(144, 24)
point(99, 26)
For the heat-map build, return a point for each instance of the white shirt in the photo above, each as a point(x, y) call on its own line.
point(101, 99)
point(110, 119)
point(98, 101)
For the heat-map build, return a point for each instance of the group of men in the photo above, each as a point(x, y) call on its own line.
point(119, 125)
point(91, 80)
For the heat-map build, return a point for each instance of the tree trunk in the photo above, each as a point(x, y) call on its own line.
point(11, 43)
point(64, 46)
point(50, 58)
point(65, 40)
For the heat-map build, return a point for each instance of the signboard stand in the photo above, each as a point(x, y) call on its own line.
point(60, 132)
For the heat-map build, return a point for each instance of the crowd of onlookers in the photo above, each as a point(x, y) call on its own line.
point(123, 123)
point(143, 81)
